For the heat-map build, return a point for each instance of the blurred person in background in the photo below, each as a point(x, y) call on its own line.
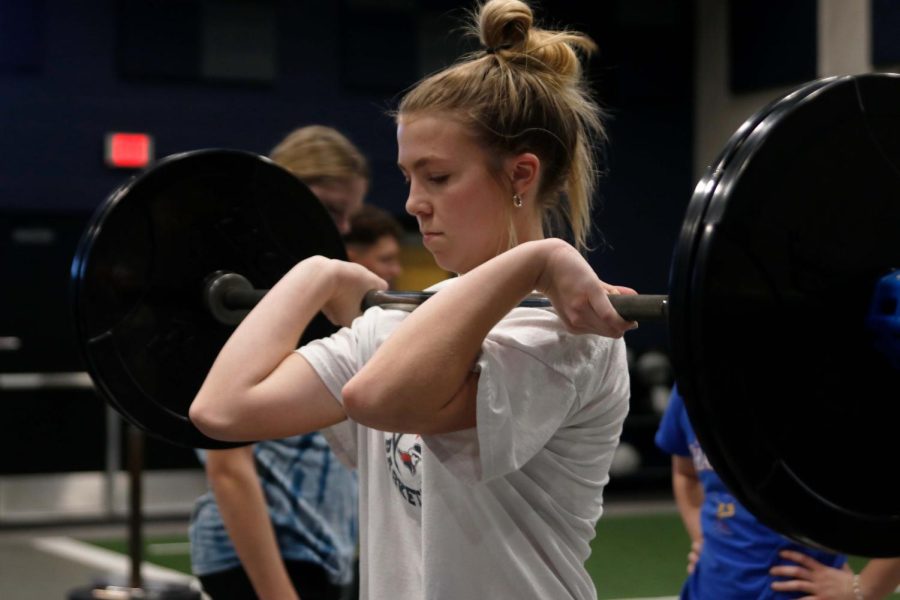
point(280, 519)
point(735, 557)
point(374, 242)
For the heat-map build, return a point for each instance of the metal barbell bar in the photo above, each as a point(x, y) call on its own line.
point(229, 296)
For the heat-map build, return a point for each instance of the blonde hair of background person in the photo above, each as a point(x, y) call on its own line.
point(330, 165)
point(483, 433)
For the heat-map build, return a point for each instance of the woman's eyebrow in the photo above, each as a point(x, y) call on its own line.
point(420, 162)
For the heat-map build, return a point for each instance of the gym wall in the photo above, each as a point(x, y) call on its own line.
point(750, 52)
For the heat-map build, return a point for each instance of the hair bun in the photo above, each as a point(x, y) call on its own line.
point(504, 24)
point(509, 25)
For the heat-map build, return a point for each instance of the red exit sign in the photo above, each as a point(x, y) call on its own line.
point(128, 150)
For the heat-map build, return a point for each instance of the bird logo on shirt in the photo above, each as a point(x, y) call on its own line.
point(411, 457)
point(404, 455)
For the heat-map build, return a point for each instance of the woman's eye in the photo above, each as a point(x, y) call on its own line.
point(438, 178)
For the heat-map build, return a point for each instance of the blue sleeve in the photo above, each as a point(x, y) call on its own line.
point(672, 436)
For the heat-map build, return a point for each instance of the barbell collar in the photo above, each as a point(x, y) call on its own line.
point(229, 297)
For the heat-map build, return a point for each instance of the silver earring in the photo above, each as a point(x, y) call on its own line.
point(517, 200)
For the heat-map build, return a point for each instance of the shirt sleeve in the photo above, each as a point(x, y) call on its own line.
point(335, 360)
point(528, 387)
point(522, 403)
point(671, 436)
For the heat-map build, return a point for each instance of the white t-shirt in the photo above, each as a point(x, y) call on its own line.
point(504, 510)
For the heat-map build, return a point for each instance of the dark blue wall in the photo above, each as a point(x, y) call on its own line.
point(644, 76)
point(63, 86)
point(54, 113)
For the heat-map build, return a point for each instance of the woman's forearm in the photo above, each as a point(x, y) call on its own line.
point(880, 577)
point(688, 492)
point(689, 499)
point(235, 483)
point(265, 338)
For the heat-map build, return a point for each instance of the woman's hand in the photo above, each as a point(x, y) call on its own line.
point(581, 299)
point(818, 581)
point(352, 281)
point(694, 556)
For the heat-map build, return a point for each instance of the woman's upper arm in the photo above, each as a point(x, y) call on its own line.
point(293, 399)
point(684, 466)
point(459, 413)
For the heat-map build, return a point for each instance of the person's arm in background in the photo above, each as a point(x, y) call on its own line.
point(878, 579)
point(688, 491)
point(235, 484)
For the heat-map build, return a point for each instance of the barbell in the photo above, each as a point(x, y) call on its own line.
point(230, 296)
point(782, 308)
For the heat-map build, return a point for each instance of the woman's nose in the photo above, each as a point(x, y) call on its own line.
point(415, 203)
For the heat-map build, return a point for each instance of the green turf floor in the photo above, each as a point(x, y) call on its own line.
point(638, 556)
point(635, 556)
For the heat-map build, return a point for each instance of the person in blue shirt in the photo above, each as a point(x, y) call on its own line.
point(281, 518)
point(735, 557)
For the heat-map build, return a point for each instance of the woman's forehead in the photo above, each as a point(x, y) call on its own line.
point(431, 139)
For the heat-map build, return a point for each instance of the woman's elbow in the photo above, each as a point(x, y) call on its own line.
point(210, 418)
point(358, 402)
point(366, 403)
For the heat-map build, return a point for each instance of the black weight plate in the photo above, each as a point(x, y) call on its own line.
point(706, 188)
point(692, 230)
point(139, 271)
point(793, 404)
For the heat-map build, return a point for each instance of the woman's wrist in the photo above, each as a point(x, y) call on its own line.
point(313, 272)
point(546, 249)
point(340, 273)
point(856, 588)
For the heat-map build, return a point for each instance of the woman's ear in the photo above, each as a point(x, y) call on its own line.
point(524, 170)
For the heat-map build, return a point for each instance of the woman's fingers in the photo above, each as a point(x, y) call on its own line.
point(807, 574)
point(792, 571)
point(592, 312)
point(621, 289)
point(800, 558)
point(794, 585)
point(606, 321)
